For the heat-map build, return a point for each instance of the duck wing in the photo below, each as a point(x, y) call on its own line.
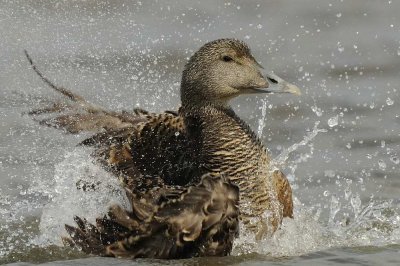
point(134, 145)
point(284, 193)
point(158, 147)
point(200, 220)
point(177, 212)
point(78, 115)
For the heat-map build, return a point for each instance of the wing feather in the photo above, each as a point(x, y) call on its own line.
point(202, 222)
point(130, 144)
point(284, 191)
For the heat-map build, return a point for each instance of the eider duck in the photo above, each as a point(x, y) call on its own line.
point(190, 175)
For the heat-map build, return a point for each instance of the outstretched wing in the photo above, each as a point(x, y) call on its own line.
point(131, 144)
point(201, 221)
point(82, 115)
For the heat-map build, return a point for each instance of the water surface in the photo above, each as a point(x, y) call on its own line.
point(345, 128)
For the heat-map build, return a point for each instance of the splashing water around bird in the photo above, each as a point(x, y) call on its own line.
point(371, 223)
point(281, 159)
point(348, 222)
point(261, 121)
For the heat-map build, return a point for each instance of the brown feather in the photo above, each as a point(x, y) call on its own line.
point(284, 193)
point(204, 215)
point(182, 171)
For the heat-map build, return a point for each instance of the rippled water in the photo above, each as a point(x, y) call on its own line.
point(339, 143)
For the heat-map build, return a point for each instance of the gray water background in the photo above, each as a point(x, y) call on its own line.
point(344, 55)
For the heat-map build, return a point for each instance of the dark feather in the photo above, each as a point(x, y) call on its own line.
point(181, 171)
point(203, 221)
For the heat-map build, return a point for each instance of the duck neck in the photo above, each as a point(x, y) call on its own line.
point(226, 143)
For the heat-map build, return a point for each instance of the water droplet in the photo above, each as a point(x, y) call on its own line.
point(347, 192)
point(348, 146)
point(329, 173)
point(338, 15)
point(382, 165)
point(355, 202)
point(334, 208)
point(389, 101)
point(333, 121)
point(340, 47)
point(395, 159)
point(317, 110)
point(177, 133)
point(326, 193)
point(261, 121)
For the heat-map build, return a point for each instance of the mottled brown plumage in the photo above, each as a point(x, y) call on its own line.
point(189, 175)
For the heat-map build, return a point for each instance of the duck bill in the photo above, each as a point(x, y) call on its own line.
point(278, 85)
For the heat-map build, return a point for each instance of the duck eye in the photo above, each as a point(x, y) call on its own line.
point(227, 58)
point(274, 81)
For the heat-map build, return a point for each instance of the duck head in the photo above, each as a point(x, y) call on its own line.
point(223, 69)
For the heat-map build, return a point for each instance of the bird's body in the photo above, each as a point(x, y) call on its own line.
point(189, 175)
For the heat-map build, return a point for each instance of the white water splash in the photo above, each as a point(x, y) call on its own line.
point(69, 199)
point(375, 224)
point(281, 159)
point(261, 121)
point(372, 223)
point(344, 221)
